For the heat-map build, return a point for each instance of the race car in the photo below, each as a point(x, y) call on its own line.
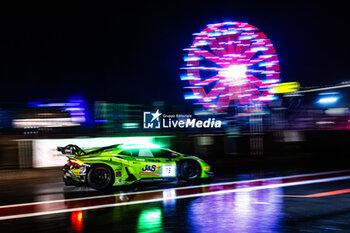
point(123, 164)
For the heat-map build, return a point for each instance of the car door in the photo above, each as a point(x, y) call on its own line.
point(167, 159)
point(142, 163)
point(151, 166)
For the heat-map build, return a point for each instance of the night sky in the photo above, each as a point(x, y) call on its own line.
point(131, 52)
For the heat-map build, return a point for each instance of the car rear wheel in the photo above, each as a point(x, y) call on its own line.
point(100, 177)
point(190, 170)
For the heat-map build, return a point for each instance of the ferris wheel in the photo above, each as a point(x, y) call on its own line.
point(231, 61)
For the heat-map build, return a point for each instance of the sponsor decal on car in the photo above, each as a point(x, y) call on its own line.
point(150, 170)
point(150, 173)
point(76, 172)
point(118, 173)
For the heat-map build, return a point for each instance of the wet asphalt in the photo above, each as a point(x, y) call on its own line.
point(281, 209)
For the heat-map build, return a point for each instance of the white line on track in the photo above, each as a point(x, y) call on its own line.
point(177, 197)
point(178, 188)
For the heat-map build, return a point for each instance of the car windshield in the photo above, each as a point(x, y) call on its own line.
point(164, 153)
point(129, 152)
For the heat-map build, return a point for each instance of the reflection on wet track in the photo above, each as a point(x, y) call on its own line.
point(238, 212)
point(242, 199)
point(77, 220)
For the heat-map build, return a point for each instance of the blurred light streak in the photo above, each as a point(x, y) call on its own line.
point(43, 122)
point(329, 93)
point(324, 122)
point(328, 100)
point(45, 152)
point(336, 111)
point(325, 88)
point(75, 107)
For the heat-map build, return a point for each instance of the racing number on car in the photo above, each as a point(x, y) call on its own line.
point(168, 170)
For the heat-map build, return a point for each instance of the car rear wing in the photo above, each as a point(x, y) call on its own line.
point(77, 151)
point(71, 150)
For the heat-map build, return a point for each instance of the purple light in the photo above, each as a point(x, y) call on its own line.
point(75, 107)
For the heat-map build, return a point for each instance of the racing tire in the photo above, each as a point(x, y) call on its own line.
point(100, 177)
point(190, 170)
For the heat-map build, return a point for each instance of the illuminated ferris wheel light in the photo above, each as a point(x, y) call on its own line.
point(235, 73)
point(231, 61)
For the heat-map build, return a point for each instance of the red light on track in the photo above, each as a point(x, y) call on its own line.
point(77, 221)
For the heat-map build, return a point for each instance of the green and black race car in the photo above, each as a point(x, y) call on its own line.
point(121, 164)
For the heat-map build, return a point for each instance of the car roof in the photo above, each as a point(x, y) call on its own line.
point(140, 146)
